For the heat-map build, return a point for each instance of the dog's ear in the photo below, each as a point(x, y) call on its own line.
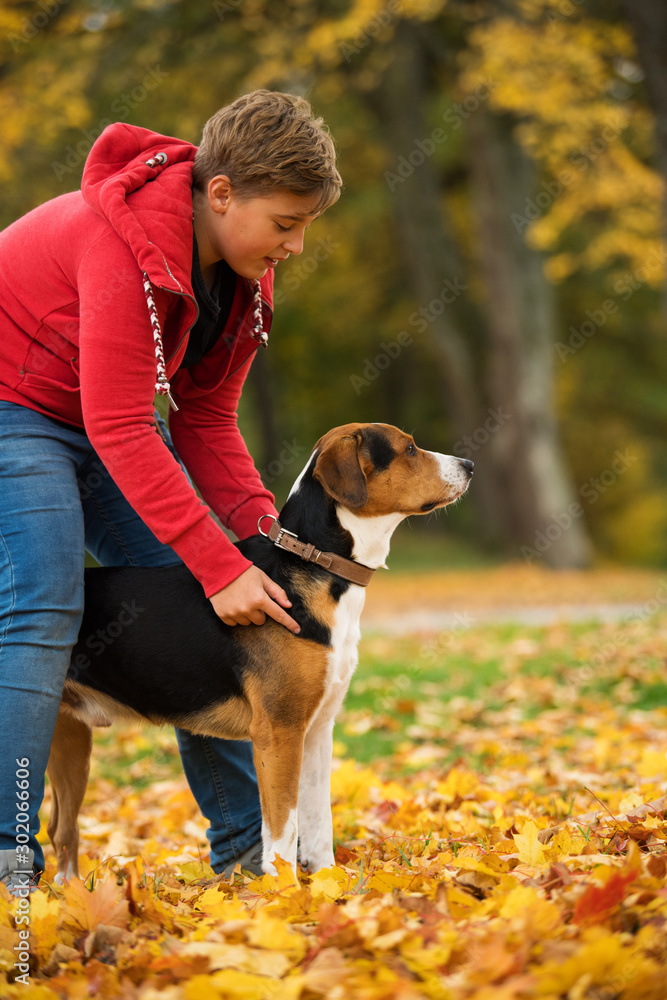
point(338, 469)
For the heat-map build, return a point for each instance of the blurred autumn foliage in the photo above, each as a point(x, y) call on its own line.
point(492, 278)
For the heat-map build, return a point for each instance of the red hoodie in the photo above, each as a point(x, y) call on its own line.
point(77, 344)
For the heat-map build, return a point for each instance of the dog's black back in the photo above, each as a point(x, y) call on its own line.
point(151, 639)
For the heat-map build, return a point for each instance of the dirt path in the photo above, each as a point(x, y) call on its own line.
point(432, 602)
point(440, 621)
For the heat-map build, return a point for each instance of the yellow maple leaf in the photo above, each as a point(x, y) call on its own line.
point(458, 784)
point(491, 865)
point(530, 850)
point(216, 903)
point(229, 985)
point(565, 845)
point(632, 800)
point(84, 909)
point(285, 879)
point(329, 882)
point(191, 870)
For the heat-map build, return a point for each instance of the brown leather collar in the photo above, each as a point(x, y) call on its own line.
point(338, 565)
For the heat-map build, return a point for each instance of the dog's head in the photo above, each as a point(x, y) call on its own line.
point(376, 469)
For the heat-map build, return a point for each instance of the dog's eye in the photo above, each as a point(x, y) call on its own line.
point(411, 450)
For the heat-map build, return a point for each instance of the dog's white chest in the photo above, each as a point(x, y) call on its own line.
point(345, 636)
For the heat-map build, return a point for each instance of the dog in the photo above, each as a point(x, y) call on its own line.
point(174, 662)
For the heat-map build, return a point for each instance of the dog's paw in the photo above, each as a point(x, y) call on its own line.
point(61, 878)
point(316, 862)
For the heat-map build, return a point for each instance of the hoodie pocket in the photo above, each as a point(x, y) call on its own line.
point(46, 370)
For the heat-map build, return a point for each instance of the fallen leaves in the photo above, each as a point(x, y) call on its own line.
point(533, 866)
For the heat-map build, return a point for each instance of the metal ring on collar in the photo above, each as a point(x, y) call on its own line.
point(259, 524)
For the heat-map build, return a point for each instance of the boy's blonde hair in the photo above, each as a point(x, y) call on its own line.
point(268, 140)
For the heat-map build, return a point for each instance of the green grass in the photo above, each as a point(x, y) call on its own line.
point(137, 763)
point(652, 696)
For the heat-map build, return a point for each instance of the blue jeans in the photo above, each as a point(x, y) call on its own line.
point(56, 501)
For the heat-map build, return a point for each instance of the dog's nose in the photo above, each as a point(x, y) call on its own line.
point(467, 465)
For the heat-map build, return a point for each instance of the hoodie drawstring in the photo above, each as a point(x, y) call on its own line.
point(162, 386)
point(259, 333)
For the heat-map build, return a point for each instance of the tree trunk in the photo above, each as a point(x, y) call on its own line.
point(504, 417)
point(541, 509)
point(649, 22)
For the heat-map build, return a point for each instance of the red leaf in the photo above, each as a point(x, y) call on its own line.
point(596, 902)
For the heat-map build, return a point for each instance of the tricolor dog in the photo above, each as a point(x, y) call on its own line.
point(177, 663)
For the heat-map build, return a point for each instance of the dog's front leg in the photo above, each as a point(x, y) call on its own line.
point(315, 824)
point(278, 753)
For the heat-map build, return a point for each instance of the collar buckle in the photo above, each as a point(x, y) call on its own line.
point(276, 532)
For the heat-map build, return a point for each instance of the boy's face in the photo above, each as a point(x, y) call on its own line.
point(251, 234)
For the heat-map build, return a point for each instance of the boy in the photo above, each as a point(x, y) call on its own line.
point(156, 276)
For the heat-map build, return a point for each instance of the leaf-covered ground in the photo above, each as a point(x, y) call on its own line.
point(499, 812)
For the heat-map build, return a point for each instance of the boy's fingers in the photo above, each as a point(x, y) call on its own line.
point(276, 612)
point(275, 591)
point(254, 595)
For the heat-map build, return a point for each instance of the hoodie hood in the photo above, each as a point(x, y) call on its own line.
point(140, 181)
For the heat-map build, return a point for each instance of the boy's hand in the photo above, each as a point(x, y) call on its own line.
point(250, 598)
